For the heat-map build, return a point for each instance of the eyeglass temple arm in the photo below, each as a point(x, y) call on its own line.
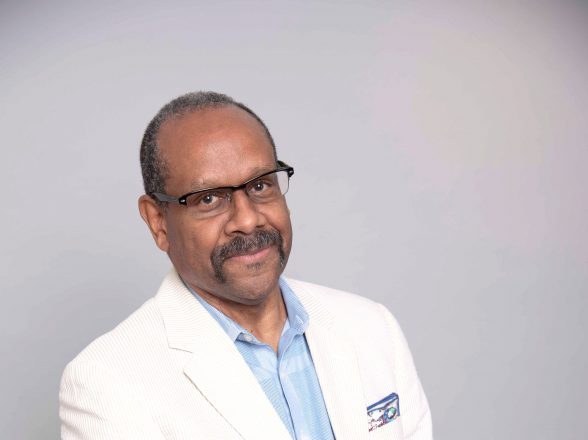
point(165, 198)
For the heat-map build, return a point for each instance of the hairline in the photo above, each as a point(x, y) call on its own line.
point(213, 106)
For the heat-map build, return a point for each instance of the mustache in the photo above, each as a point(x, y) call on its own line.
point(245, 244)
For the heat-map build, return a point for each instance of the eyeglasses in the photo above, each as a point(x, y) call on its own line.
point(208, 202)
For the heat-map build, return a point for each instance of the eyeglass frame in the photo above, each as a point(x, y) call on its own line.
point(183, 200)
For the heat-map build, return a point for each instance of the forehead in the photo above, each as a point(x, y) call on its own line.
point(214, 146)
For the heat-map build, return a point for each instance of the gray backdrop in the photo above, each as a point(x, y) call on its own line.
point(440, 152)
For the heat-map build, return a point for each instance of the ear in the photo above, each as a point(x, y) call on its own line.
point(154, 216)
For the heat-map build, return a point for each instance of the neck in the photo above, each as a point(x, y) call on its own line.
point(264, 320)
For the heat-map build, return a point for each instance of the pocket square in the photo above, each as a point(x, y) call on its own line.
point(383, 411)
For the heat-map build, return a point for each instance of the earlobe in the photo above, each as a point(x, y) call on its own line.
point(154, 217)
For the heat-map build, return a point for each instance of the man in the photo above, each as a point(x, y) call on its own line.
point(228, 349)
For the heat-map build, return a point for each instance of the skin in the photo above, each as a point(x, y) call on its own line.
point(219, 147)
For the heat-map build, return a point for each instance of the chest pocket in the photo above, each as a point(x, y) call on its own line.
point(389, 431)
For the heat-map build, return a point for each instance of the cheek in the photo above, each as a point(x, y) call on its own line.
point(191, 242)
point(288, 230)
point(175, 234)
point(281, 221)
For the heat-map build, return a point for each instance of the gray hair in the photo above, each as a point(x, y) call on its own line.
point(153, 166)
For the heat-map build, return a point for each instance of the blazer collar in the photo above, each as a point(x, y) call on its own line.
point(214, 365)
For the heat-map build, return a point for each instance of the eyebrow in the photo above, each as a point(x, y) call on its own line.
point(198, 185)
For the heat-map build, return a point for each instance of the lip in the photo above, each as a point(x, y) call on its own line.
point(251, 258)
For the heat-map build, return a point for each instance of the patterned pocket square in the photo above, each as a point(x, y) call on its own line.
point(383, 411)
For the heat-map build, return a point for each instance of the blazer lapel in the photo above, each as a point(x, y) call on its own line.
point(336, 366)
point(215, 367)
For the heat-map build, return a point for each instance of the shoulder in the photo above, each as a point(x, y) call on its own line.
point(329, 294)
point(142, 335)
point(343, 306)
point(138, 334)
point(101, 390)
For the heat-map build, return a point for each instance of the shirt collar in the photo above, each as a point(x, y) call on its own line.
point(297, 318)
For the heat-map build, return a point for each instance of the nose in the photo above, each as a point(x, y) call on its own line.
point(245, 216)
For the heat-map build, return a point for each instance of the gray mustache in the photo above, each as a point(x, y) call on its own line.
point(241, 245)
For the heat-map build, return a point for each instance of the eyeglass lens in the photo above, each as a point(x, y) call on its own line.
point(261, 190)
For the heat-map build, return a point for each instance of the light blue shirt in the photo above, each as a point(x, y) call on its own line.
point(289, 379)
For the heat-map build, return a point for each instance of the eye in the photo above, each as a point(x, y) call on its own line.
point(259, 186)
point(264, 186)
point(207, 201)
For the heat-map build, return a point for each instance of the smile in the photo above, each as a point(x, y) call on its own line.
point(251, 257)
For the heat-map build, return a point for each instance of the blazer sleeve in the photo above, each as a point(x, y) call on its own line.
point(414, 410)
point(94, 405)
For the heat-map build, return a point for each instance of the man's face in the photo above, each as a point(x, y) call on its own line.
point(223, 147)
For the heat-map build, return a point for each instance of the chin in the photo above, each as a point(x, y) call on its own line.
point(252, 289)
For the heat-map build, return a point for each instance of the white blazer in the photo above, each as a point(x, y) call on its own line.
point(169, 371)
